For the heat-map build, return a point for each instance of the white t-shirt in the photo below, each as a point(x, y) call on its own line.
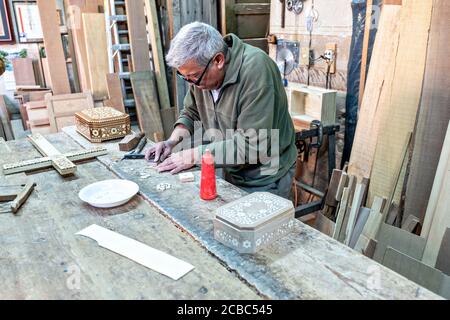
point(215, 94)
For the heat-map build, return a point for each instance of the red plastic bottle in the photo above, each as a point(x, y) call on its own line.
point(208, 181)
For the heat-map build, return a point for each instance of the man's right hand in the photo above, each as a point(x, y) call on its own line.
point(160, 151)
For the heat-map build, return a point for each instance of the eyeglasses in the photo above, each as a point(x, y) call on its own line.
point(199, 80)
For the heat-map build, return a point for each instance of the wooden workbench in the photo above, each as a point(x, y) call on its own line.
point(39, 250)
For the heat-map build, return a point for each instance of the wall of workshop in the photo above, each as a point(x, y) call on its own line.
point(334, 25)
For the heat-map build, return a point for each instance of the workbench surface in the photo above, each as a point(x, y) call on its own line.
point(40, 255)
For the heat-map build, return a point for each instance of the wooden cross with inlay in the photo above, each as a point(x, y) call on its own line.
point(52, 157)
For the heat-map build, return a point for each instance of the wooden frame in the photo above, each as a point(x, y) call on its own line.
point(30, 17)
point(62, 108)
point(6, 31)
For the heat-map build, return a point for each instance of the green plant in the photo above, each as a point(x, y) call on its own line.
point(23, 53)
point(3, 57)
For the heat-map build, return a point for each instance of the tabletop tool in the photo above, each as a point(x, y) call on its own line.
point(136, 153)
point(17, 196)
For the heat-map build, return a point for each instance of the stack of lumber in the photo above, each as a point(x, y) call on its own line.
point(393, 200)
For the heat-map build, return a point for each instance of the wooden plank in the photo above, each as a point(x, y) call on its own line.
point(443, 258)
point(23, 71)
point(5, 119)
point(140, 52)
point(378, 90)
point(75, 9)
point(354, 211)
point(342, 217)
point(330, 198)
point(342, 184)
point(373, 224)
point(62, 108)
point(434, 114)
point(158, 54)
point(405, 242)
point(97, 53)
point(57, 67)
point(115, 92)
point(361, 221)
point(437, 219)
point(404, 101)
point(413, 269)
point(145, 96)
point(324, 225)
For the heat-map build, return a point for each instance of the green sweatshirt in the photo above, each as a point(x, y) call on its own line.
point(252, 98)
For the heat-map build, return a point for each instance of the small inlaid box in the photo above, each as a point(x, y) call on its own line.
point(254, 221)
point(102, 124)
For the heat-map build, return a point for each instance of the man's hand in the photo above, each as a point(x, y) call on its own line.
point(160, 151)
point(178, 162)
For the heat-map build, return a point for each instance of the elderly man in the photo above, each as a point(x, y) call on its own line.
point(233, 86)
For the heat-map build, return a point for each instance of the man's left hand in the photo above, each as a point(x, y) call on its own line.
point(178, 162)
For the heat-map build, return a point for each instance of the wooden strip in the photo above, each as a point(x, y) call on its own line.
point(443, 258)
point(97, 53)
point(361, 221)
point(140, 52)
point(57, 67)
point(115, 92)
point(9, 193)
point(437, 219)
point(330, 198)
point(158, 54)
point(147, 107)
point(354, 211)
point(342, 184)
point(5, 120)
point(378, 89)
point(403, 104)
point(434, 114)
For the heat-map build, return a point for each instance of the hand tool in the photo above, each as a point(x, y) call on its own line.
point(136, 153)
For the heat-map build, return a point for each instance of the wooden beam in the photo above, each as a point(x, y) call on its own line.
point(437, 218)
point(53, 47)
point(145, 96)
point(140, 49)
point(158, 54)
point(97, 53)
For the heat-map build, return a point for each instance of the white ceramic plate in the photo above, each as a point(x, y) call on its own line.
point(109, 193)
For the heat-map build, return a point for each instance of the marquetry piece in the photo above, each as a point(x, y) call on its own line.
point(253, 222)
point(52, 158)
point(102, 124)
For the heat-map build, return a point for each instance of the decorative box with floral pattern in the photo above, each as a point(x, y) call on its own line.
point(102, 124)
point(254, 221)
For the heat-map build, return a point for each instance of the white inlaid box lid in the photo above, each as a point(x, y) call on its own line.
point(254, 210)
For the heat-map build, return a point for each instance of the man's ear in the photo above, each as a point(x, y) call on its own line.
point(220, 60)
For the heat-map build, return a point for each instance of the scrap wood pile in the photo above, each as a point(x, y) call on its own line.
point(391, 202)
point(114, 58)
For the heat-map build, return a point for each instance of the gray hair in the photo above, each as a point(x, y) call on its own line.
point(197, 41)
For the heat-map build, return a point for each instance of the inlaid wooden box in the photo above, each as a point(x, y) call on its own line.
point(102, 124)
point(254, 221)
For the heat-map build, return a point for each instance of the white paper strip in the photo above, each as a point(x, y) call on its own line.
point(137, 251)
